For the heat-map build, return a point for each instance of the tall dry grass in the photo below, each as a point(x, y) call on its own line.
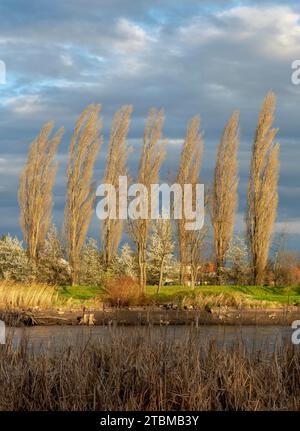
point(131, 373)
point(226, 299)
point(20, 296)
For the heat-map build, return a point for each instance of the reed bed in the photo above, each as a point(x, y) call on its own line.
point(24, 296)
point(226, 299)
point(135, 373)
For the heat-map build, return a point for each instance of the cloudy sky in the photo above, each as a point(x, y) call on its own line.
point(189, 57)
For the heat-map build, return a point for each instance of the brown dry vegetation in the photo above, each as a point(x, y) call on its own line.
point(231, 300)
point(20, 296)
point(133, 373)
point(123, 291)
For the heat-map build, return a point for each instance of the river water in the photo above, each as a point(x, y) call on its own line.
point(41, 338)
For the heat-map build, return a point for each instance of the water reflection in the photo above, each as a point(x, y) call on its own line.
point(55, 338)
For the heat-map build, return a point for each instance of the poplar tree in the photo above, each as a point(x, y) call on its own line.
point(224, 197)
point(84, 146)
point(35, 190)
point(262, 189)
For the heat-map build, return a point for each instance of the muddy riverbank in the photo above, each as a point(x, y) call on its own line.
point(156, 316)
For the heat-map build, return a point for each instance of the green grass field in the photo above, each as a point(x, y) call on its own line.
point(170, 294)
point(272, 294)
point(80, 292)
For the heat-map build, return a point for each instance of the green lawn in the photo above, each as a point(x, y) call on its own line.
point(273, 294)
point(175, 293)
point(79, 292)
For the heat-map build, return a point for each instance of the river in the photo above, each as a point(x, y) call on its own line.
point(43, 338)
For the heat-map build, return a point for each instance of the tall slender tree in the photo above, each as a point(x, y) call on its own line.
point(150, 163)
point(116, 165)
point(35, 191)
point(83, 150)
point(224, 195)
point(189, 169)
point(262, 189)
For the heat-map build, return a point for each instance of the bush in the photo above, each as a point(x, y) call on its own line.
point(91, 271)
point(14, 264)
point(126, 262)
point(123, 291)
point(52, 267)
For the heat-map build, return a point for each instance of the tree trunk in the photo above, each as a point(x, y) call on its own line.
point(142, 270)
point(74, 272)
point(107, 250)
point(192, 279)
point(74, 278)
point(182, 274)
point(219, 266)
point(258, 276)
point(161, 271)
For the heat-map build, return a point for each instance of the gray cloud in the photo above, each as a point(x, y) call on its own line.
point(205, 57)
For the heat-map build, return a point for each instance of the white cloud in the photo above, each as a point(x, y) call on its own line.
point(28, 104)
point(289, 226)
point(176, 142)
point(131, 37)
point(66, 60)
point(11, 165)
point(273, 30)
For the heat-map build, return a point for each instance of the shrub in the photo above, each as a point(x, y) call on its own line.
point(14, 264)
point(122, 291)
point(52, 267)
point(126, 262)
point(238, 257)
point(91, 271)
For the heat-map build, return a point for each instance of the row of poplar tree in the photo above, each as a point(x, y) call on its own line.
point(38, 177)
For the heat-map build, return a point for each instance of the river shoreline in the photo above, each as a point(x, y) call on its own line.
point(147, 316)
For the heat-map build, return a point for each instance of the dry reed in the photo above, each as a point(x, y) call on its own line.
point(140, 373)
point(20, 296)
point(232, 300)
